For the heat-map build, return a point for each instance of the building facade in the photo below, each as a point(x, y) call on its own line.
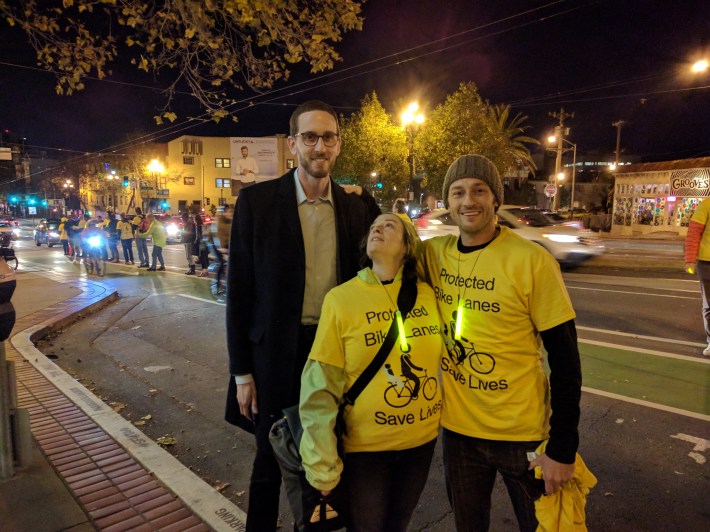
point(659, 197)
point(201, 172)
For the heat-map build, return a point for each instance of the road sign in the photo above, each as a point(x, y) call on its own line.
point(550, 190)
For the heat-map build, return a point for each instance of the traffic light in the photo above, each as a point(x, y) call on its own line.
point(31, 201)
point(165, 205)
point(13, 199)
point(207, 201)
point(125, 181)
point(44, 203)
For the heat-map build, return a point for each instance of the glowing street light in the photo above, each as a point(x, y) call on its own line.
point(412, 119)
point(700, 66)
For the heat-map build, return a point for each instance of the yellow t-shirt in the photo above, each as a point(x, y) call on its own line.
point(494, 384)
point(702, 216)
point(354, 321)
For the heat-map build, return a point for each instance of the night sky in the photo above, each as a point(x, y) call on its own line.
point(604, 60)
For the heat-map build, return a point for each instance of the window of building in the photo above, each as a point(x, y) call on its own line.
point(189, 180)
point(191, 147)
point(223, 183)
point(188, 160)
point(222, 163)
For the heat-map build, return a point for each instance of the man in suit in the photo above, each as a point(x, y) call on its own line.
point(293, 239)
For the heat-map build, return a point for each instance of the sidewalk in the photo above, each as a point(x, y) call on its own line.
point(90, 468)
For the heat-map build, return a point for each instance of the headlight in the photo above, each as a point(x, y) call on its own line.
point(54, 235)
point(172, 230)
point(555, 237)
point(95, 241)
point(16, 231)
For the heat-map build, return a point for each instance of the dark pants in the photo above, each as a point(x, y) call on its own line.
point(113, 248)
point(157, 255)
point(703, 268)
point(265, 482)
point(383, 488)
point(127, 244)
point(220, 262)
point(142, 247)
point(471, 465)
point(65, 246)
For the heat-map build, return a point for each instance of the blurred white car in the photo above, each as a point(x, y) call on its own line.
point(568, 245)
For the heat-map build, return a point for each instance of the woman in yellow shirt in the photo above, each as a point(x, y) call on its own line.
point(392, 427)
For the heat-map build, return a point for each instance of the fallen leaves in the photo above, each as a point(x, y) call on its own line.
point(143, 420)
point(166, 441)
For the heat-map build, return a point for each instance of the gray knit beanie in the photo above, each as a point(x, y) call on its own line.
point(476, 166)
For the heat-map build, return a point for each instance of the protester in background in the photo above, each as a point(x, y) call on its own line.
point(386, 465)
point(199, 246)
point(293, 239)
point(63, 236)
point(187, 240)
point(112, 236)
point(72, 230)
point(125, 230)
point(79, 235)
point(224, 226)
point(504, 299)
point(157, 232)
point(141, 244)
point(697, 257)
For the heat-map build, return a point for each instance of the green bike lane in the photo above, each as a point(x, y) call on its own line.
point(653, 378)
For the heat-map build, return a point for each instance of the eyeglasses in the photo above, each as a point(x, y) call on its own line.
point(311, 139)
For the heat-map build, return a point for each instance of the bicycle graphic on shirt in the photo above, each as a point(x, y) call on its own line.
point(401, 391)
point(462, 349)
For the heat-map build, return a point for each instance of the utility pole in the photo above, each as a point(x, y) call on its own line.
point(618, 125)
point(560, 132)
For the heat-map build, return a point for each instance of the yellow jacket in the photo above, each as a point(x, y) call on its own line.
point(564, 510)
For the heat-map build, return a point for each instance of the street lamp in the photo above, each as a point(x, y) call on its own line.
point(700, 66)
point(155, 167)
point(552, 139)
point(412, 120)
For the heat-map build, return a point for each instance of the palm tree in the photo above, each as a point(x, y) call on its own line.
point(507, 142)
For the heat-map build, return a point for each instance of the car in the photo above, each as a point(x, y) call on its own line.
point(47, 232)
point(173, 228)
point(570, 246)
point(557, 219)
point(10, 229)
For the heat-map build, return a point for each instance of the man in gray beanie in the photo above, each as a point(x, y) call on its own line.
point(476, 166)
point(498, 293)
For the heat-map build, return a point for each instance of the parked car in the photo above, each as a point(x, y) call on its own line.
point(568, 245)
point(47, 232)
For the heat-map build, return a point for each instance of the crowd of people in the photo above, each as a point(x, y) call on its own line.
point(124, 230)
point(468, 367)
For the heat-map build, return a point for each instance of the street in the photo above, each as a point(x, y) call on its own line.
point(158, 356)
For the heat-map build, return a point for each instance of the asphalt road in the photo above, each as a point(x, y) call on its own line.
point(160, 352)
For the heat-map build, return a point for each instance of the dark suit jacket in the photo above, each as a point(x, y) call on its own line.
point(266, 280)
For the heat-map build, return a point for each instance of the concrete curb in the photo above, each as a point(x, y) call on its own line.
point(211, 506)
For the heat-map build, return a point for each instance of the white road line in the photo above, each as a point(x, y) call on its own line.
point(663, 354)
point(628, 292)
point(640, 336)
point(648, 404)
point(200, 299)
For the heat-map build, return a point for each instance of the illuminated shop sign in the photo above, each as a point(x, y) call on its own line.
point(691, 183)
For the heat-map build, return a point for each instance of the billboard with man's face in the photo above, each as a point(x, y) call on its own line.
point(264, 152)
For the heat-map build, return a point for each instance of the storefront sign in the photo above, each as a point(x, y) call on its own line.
point(691, 183)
